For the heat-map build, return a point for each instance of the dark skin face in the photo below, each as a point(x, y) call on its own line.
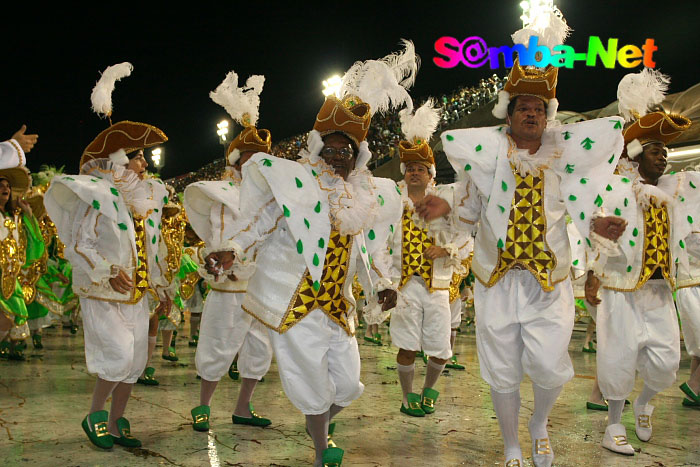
point(528, 121)
point(652, 163)
point(342, 166)
point(138, 164)
point(5, 191)
point(245, 155)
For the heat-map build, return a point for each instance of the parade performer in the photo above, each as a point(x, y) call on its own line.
point(636, 318)
point(305, 225)
point(427, 256)
point(521, 180)
point(109, 217)
point(213, 210)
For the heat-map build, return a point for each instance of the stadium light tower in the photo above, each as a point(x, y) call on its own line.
point(532, 8)
point(331, 85)
point(157, 158)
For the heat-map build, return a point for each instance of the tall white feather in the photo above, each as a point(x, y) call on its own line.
point(101, 97)
point(550, 27)
point(239, 101)
point(382, 83)
point(637, 93)
point(422, 124)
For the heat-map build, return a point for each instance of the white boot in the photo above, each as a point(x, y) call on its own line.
point(642, 421)
point(514, 462)
point(542, 453)
point(615, 439)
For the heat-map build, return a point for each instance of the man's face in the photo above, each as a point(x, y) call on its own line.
point(417, 175)
point(652, 162)
point(529, 118)
point(339, 153)
point(245, 155)
point(138, 164)
point(5, 191)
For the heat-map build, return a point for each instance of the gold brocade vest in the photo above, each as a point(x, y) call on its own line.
point(173, 232)
point(414, 242)
point(656, 251)
point(525, 246)
point(141, 273)
point(328, 294)
point(457, 279)
point(188, 284)
point(12, 253)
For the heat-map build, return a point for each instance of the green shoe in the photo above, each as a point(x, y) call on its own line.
point(5, 350)
point(16, 352)
point(414, 406)
point(95, 427)
point(428, 399)
point(369, 339)
point(420, 354)
point(148, 377)
point(593, 406)
point(254, 420)
point(688, 403)
point(589, 349)
point(200, 418)
point(125, 439)
point(194, 341)
point(690, 393)
point(378, 339)
point(73, 328)
point(425, 358)
point(233, 372)
point(332, 457)
point(454, 365)
point(36, 341)
point(170, 356)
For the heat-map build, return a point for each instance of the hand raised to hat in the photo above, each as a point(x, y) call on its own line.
point(432, 207)
point(591, 289)
point(610, 227)
point(26, 142)
point(26, 208)
point(387, 299)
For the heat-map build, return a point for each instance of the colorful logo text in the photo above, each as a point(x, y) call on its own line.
point(474, 53)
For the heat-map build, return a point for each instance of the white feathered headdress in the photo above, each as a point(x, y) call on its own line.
point(383, 83)
point(637, 94)
point(101, 97)
point(242, 103)
point(417, 129)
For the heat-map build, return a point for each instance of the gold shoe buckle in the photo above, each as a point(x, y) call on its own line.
point(126, 433)
point(414, 405)
point(202, 417)
point(542, 446)
point(428, 402)
point(101, 429)
point(513, 463)
point(620, 440)
point(644, 421)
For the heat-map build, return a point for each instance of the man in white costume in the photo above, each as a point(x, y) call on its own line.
point(521, 180)
point(212, 208)
point(425, 258)
point(12, 151)
point(636, 318)
point(109, 218)
point(305, 227)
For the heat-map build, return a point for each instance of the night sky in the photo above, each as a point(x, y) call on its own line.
point(52, 59)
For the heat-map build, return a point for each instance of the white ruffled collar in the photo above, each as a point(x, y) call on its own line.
point(352, 204)
point(546, 156)
point(137, 193)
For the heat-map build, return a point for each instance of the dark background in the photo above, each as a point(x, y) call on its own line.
point(52, 59)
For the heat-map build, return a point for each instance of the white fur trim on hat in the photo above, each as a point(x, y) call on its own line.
point(500, 110)
point(552, 108)
point(363, 156)
point(119, 157)
point(431, 169)
point(634, 148)
point(233, 157)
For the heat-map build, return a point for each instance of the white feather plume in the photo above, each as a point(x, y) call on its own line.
point(239, 101)
point(637, 93)
point(549, 26)
point(383, 83)
point(422, 124)
point(101, 97)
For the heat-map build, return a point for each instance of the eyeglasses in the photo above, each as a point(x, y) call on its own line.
point(330, 152)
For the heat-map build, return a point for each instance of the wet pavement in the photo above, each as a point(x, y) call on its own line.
point(43, 400)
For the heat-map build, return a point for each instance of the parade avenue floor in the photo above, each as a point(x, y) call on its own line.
point(44, 399)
